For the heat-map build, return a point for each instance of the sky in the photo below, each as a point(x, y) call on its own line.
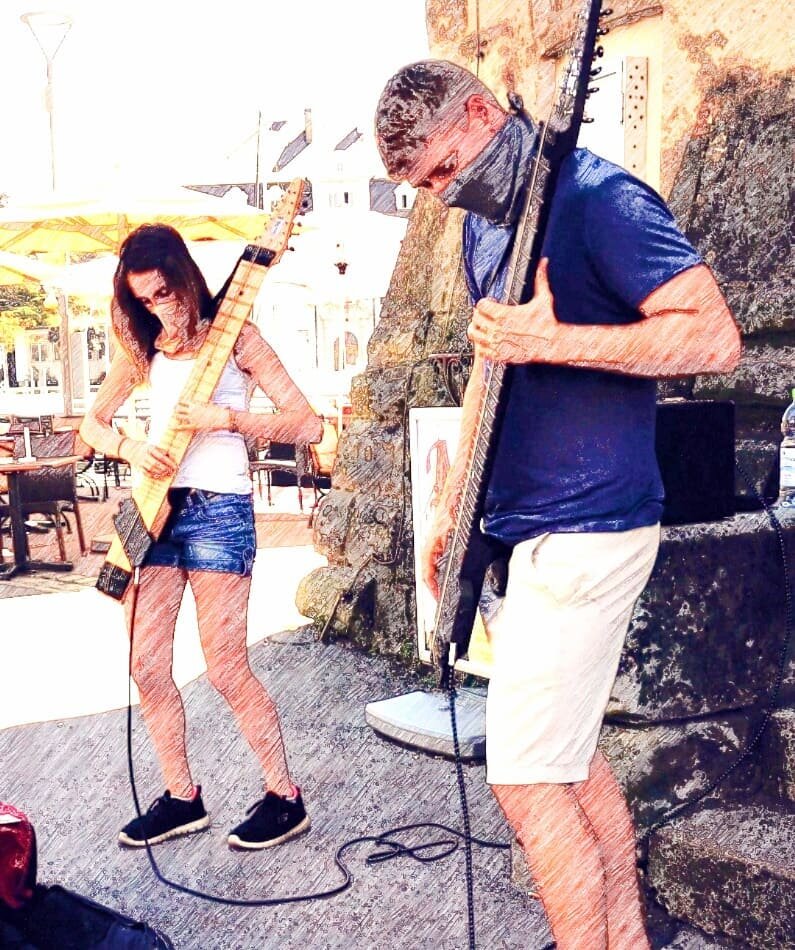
point(168, 91)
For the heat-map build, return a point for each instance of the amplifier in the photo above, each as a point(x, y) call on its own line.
point(695, 452)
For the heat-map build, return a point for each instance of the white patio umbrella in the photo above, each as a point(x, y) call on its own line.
point(18, 269)
point(60, 227)
point(64, 225)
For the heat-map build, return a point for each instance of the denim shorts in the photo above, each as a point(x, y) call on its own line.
point(207, 531)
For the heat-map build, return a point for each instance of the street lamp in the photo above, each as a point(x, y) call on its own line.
point(49, 30)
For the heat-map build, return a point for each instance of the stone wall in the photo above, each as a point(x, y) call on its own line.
point(364, 524)
point(724, 167)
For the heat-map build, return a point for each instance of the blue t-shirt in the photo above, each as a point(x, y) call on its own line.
point(576, 447)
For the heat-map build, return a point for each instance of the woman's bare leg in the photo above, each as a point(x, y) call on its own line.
point(159, 596)
point(564, 858)
point(222, 608)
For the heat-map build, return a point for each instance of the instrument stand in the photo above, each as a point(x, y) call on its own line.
point(421, 720)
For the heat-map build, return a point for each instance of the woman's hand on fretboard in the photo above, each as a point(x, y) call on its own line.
point(150, 459)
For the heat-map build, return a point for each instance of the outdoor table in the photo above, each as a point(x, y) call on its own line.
point(22, 562)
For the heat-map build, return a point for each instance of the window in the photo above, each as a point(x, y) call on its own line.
point(40, 352)
point(351, 349)
point(350, 354)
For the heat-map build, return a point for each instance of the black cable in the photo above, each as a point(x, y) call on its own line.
point(459, 771)
point(772, 703)
point(424, 852)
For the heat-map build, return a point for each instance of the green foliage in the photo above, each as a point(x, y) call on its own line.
point(21, 309)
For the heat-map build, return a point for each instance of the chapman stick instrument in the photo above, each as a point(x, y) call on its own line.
point(469, 552)
point(141, 518)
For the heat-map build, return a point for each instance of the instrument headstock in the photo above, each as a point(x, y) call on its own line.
point(574, 89)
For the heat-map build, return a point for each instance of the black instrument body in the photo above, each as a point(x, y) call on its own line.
point(470, 552)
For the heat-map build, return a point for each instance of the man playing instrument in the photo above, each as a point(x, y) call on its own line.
point(620, 297)
point(162, 312)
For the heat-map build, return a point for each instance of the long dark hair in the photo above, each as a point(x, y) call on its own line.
point(154, 247)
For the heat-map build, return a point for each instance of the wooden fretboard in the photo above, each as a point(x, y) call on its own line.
point(150, 508)
point(467, 555)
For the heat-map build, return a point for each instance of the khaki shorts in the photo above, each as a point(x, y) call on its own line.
point(556, 640)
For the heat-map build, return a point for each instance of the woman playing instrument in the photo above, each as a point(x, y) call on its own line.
point(161, 313)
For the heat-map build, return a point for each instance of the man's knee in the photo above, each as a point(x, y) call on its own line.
point(522, 802)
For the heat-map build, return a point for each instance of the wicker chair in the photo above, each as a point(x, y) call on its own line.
point(280, 457)
point(51, 491)
point(322, 456)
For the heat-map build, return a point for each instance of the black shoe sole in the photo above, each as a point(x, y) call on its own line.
point(238, 844)
point(199, 825)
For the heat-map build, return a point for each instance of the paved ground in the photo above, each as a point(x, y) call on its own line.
point(63, 656)
point(70, 777)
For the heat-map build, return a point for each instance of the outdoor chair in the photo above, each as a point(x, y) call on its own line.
point(51, 491)
point(36, 425)
point(280, 457)
point(104, 465)
point(322, 456)
point(6, 451)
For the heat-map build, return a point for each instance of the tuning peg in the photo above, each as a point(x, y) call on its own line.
point(603, 31)
point(290, 248)
point(599, 52)
point(595, 72)
point(606, 12)
point(516, 102)
point(586, 120)
point(592, 89)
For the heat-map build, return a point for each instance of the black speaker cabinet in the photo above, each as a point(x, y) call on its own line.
point(695, 452)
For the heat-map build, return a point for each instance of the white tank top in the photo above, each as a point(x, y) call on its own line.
point(216, 460)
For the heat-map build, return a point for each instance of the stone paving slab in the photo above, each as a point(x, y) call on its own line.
point(70, 777)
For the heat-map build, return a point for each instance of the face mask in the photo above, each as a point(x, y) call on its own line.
point(178, 327)
point(492, 185)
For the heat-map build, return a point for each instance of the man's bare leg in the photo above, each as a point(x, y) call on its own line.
point(565, 859)
point(603, 802)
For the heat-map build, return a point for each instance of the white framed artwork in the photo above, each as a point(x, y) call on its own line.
point(433, 438)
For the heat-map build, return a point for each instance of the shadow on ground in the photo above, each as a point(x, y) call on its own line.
point(70, 777)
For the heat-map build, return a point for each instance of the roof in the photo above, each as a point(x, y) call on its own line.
point(344, 143)
point(291, 151)
point(382, 198)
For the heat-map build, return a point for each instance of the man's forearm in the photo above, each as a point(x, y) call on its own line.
point(687, 329)
point(673, 345)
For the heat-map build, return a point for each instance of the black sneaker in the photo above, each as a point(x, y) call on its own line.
point(273, 820)
point(167, 817)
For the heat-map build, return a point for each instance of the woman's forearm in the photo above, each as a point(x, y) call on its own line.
point(292, 425)
point(97, 426)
